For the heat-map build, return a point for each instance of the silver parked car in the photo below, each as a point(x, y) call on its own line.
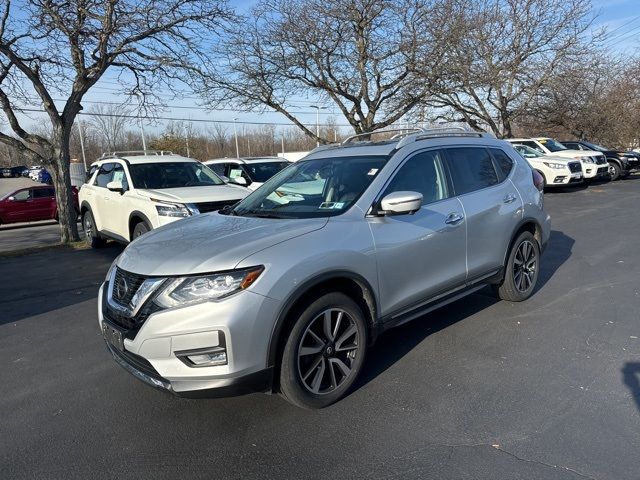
point(287, 290)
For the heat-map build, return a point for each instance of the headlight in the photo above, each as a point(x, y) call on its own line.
point(189, 290)
point(588, 159)
point(555, 165)
point(168, 209)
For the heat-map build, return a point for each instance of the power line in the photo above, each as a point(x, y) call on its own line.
point(629, 34)
point(624, 24)
point(179, 119)
point(614, 40)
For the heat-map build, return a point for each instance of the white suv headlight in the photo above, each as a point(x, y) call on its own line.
point(189, 290)
point(555, 165)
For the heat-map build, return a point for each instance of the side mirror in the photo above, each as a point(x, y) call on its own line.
point(401, 203)
point(239, 180)
point(115, 186)
point(12, 198)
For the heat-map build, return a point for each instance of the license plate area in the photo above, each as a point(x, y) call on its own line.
point(113, 335)
point(576, 175)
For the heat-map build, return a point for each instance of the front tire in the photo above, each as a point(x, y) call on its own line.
point(614, 171)
point(324, 353)
point(91, 235)
point(140, 229)
point(521, 271)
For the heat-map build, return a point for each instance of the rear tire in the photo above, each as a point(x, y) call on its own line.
point(91, 236)
point(521, 271)
point(140, 229)
point(324, 353)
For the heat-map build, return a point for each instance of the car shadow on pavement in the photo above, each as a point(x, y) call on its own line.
point(394, 344)
point(556, 253)
point(631, 378)
point(51, 279)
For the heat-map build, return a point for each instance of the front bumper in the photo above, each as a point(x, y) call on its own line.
point(243, 323)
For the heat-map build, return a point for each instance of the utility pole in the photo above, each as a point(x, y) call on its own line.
point(186, 136)
point(235, 133)
point(84, 158)
point(318, 108)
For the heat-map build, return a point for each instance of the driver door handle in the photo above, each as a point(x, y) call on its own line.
point(509, 198)
point(454, 218)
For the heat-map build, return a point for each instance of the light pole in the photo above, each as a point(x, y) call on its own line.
point(318, 108)
point(144, 142)
point(235, 133)
point(84, 158)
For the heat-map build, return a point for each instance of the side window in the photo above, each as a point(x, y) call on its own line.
point(504, 164)
point(90, 173)
point(236, 171)
point(43, 193)
point(471, 169)
point(218, 168)
point(423, 173)
point(105, 174)
point(533, 145)
point(22, 195)
point(119, 175)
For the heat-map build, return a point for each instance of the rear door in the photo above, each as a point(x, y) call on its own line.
point(44, 203)
point(421, 255)
point(492, 205)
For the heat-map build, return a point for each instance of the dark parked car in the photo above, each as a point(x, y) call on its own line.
point(44, 177)
point(619, 162)
point(31, 204)
point(13, 171)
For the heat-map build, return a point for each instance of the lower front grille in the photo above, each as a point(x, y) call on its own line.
point(603, 170)
point(205, 207)
point(138, 363)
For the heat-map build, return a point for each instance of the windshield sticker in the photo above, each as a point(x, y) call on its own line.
point(372, 172)
point(235, 173)
point(338, 205)
point(327, 205)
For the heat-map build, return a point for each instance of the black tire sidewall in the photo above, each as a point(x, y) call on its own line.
point(290, 383)
point(508, 290)
point(137, 227)
point(617, 169)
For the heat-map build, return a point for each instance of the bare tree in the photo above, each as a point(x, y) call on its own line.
point(109, 122)
point(509, 52)
point(63, 47)
point(360, 55)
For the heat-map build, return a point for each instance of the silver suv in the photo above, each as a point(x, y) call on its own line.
point(287, 290)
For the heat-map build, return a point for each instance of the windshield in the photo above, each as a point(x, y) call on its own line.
point(312, 188)
point(552, 145)
point(172, 175)
point(261, 172)
point(527, 152)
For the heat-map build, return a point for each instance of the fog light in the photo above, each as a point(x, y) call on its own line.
point(559, 179)
point(203, 357)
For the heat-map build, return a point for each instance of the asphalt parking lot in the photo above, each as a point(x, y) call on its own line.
point(481, 389)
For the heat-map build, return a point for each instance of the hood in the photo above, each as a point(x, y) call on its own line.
point(554, 158)
point(575, 153)
point(208, 243)
point(212, 193)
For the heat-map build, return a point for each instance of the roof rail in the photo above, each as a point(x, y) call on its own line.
point(402, 132)
point(425, 133)
point(131, 153)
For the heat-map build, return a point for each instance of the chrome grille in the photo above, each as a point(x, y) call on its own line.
point(205, 207)
point(125, 286)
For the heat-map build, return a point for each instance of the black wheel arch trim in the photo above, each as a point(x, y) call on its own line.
point(515, 231)
point(303, 289)
point(141, 216)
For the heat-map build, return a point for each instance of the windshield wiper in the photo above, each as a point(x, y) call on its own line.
point(261, 214)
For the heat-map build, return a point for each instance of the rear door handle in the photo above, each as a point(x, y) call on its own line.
point(509, 198)
point(454, 218)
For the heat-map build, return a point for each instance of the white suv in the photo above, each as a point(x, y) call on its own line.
point(594, 164)
point(556, 171)
point(129, 193)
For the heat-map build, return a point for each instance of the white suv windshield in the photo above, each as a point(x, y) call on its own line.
point(172, 175)
point(552, 145)
point(312, 188)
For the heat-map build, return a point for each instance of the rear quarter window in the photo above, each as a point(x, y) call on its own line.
point(503, 163)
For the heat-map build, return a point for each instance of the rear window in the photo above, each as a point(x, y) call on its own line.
point(471, 169)
point(504, 164)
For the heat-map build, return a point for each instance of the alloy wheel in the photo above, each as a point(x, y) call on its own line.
point(88, 228)
point(525, 264)
point(327, 351)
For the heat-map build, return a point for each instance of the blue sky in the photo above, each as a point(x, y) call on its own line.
point(623, 15)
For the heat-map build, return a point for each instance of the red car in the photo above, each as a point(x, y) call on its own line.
point(31, 204)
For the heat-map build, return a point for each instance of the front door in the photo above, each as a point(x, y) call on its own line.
point(420, 255)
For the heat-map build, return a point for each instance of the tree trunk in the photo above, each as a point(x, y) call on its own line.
point(61, 176)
